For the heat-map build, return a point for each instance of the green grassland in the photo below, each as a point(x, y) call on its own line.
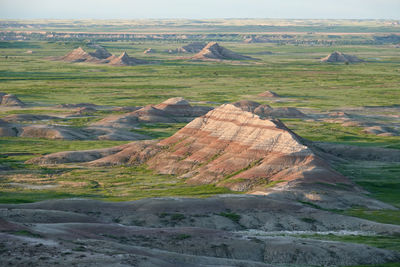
point(293, 72)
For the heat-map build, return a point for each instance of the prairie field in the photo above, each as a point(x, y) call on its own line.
point(370, 89)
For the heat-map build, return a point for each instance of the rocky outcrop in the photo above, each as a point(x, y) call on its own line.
point(113, 127)
point(340, 57)
point(214, 51)
point(194, 47)
point(78, 55)
point(10, 100)
point(69, 133)
point(172, 110)
point(267, 111)
point(240, 150)
point(268, 94)
point(100, 56)
point(124, 60)
point(23, 125)
point(230, 230)
point(28, 118)
point(233, 147)
point(149, 51)
point(230, 146)
point(381, 131)
point(101, 53)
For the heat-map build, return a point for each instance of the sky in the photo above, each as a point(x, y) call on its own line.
point(199, 9)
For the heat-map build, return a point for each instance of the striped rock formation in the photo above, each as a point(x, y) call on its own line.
point(172, 110)
point(240, 150)
point(214, 51)
point(78, 55)
point(100, 56)
point(228, 147)
point(124, 60)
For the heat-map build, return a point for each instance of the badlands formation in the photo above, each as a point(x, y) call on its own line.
point(10, 100)
point(213, 51)
point(290, 188)
point(193, 48)
point(100, 56)
point(237, 147)
point(254, 231)
point(172, 110)
point(113, 127)
point(340, 57)
point(268, 94)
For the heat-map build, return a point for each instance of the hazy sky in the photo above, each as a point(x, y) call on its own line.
point(133, 9)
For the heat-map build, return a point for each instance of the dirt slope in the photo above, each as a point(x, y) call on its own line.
point(183, 232)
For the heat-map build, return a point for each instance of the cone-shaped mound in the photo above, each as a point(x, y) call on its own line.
point(230, 147)
point(77, 55)
point(268, 94)
point(101, 53)
point(100, 56)
point(340, 57)
point(125, 60)
point(214, 51)
point(10, 100)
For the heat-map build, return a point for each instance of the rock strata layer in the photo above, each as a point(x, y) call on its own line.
point(230, 146)
point(170, 111)
point(214, 51)
point(100, 56)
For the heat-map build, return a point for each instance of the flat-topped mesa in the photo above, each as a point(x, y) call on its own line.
point(341, 57)
point(214, 51)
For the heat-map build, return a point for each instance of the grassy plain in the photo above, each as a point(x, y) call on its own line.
point(294, 72)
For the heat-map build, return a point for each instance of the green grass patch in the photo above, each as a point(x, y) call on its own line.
point(382, 216)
